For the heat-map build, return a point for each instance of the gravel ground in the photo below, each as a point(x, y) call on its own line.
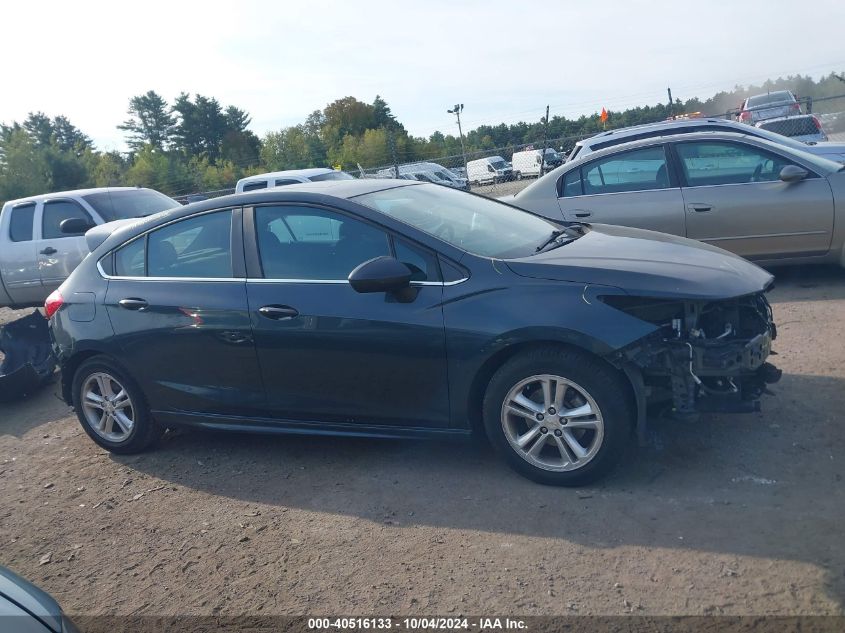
point(734, 514)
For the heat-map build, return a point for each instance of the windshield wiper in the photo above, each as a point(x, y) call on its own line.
point(552, 238)
point(573, 232)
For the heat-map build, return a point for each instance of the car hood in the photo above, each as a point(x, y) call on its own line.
point(647, 263)
point(30, 598)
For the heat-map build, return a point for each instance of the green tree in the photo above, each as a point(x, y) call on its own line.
point(39, 127)
point(287, 149)
point(108, 169)
point(24, 170)
point(150, 122)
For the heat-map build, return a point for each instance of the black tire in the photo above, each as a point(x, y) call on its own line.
point(145, 431)
point(606, 387)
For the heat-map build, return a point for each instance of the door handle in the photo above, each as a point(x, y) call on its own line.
point(278, 313)
point(583, 214)
point(48, 251)
point(699, 207)
point(132, 304)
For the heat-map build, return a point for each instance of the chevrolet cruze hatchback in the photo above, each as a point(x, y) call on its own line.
point(387, 308)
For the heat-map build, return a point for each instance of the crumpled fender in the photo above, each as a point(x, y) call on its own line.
point(28, 361)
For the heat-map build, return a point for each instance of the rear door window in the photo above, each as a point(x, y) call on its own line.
point(129, 260)
point(570, 184)
point(198, 247)
point(56, 212)
point(21, 221)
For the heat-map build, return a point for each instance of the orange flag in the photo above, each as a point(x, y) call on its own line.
point(603, 115)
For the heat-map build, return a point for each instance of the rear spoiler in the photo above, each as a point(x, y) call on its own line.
point(96, 236)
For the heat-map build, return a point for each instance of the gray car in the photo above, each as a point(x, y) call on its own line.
point(610, 138)
point(760, 200)
point(24, 608)
point(768, 105)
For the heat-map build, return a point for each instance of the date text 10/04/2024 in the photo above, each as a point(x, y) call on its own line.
point(413, 624)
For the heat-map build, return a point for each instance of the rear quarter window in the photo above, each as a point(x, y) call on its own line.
point(255, 185)
point(21, 221)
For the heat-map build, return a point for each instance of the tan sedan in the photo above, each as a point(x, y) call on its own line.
point(766, 202)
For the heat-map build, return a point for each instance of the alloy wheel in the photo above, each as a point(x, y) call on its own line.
point(552, 423)
point(107, 407)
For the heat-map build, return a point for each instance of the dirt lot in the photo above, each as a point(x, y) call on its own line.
point(735, 514)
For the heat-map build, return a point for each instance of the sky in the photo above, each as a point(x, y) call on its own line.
point(505, 61)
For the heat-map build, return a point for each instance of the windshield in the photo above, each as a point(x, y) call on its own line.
point(498, 163)
point(820, 163)
point(129, 203)
point(332, 175)
point(472, 223)
point(772, 97)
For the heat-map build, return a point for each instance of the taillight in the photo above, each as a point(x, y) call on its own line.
point(818, 123)
point(745, 115)
point(796, 106)
point(53, 303)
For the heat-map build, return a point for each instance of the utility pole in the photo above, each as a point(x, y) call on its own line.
point(545, 136)
point(671, 109)
point(459, 107)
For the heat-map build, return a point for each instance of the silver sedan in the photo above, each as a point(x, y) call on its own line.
point(758, 199)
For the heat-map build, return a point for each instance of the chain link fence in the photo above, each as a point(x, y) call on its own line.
point(508, 169)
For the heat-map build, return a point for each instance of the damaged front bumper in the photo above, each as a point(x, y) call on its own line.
point(705, 356)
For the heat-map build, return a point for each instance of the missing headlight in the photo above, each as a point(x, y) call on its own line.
point(660, 312)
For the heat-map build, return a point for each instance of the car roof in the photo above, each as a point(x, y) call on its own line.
point(665, 138)
point(72, 193)
point(303, 173)
point(314, 192)
point(771, 92)
point(636, 129)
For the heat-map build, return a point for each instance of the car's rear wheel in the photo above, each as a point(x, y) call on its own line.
point(559, 416)
point(111, 408)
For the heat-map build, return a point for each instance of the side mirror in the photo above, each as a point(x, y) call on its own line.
point(75, 226)
point(382, 274)
point(793, 173)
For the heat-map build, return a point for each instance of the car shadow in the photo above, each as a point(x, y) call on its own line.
point(37, 409)
point(764, 485)
point(807, 283)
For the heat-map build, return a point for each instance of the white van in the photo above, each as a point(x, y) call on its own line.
point(527, 162)
point(289, 177)
point(426, 172)
point(487, 170)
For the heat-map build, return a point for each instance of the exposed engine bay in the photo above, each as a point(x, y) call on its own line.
point(706, 356)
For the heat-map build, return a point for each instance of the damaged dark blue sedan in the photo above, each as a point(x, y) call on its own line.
point(393, 309)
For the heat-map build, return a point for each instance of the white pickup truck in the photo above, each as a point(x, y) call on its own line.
point(42, 237)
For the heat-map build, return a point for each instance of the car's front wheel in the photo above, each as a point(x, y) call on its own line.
point(111, 408)
point(559, 416)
